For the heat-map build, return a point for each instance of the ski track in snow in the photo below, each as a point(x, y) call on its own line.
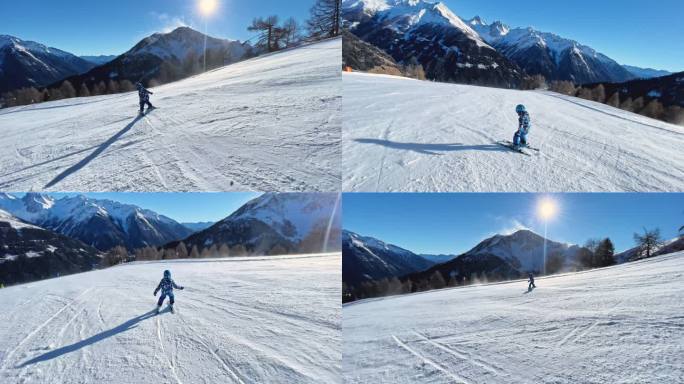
point(271, 123)
point(443, 139)
point(620, 324)
point(241, 320)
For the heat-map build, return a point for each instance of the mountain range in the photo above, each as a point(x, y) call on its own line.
point(366, 258)
point(180, 49)
point(473, 51)
point(500, 256)
point(29, 253)
point(102, 224)
point(30, 64)
point(430, 34)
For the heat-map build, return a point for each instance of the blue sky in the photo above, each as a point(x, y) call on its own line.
point(104, 27)
point(182, 207)
point(645, 34)
point(454, 223)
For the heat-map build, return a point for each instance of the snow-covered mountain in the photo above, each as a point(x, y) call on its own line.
point(29, 253)
point(30, 64)
point(646, 73)
point(199, 226)
point(432, 35)
point(102, 224)
point(553, 56)
point(144, 61)
point(289, 222)
point(524, 249)
point(438, 259)
point(100, 59)
point(366, 258)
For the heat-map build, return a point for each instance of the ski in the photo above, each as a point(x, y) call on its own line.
point(510, 143)
point(513, 148)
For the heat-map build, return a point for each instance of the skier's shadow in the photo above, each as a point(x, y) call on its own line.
point(76, 167)
point(529, 290)
point(130, 324)
point(431, 149)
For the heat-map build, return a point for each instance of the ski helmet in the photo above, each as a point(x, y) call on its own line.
point(520, 108)
point(167, 273)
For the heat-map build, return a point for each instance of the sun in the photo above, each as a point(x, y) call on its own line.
point(547, 208)
point(207, 7)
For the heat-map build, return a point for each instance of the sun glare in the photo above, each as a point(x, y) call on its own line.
point(207, 7)
point(547, 208)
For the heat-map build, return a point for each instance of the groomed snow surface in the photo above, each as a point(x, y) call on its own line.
point(418, 136)
point(271, 123)
point(239, 320)
point(621, 324)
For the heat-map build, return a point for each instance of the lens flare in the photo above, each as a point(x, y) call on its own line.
point(207, 7)
point(547, 208)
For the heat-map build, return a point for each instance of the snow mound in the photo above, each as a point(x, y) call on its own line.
point(620, 324)
point(271, 123)
point(419, 136)
point(241, 320)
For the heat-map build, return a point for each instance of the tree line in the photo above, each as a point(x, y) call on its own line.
point(650, 107)
point(323, 23)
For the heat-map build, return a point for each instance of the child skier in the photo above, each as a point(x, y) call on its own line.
point(531, 285)
point(166, 285)
point(144, 95)
point(520, 137)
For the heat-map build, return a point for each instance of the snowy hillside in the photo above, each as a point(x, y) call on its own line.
point(408, 135)
point(102, 224)
point(244, 320)
point(269, 123)
point(620, 324)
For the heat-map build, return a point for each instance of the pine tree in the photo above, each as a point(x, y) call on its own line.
point(614, 100)
point(83, 91)
point(605, 253)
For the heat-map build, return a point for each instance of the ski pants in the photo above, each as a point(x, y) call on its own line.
point(143, 102)
point(163, 296)
point(531, 285)
point(520, 138)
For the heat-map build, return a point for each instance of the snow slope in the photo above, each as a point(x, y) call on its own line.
point(240, 320)
point(620, 324)
point(269, 123)
point(407, 135)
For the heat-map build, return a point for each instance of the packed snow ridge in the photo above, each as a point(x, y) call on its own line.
point(271, 123)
